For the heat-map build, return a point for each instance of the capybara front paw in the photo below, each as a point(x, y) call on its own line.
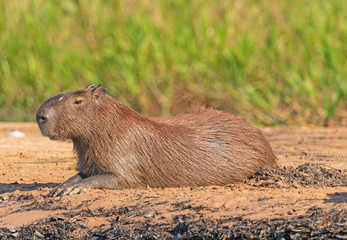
point(69, 189)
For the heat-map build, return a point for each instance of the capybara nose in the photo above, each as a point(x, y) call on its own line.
point(41, 118)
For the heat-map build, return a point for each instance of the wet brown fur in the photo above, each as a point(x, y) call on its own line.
point(202, 147)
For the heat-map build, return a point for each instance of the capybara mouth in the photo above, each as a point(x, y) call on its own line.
point(47, 134)
point(54, 138)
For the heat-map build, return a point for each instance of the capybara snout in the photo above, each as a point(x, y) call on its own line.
point(118, 148)
point(45, 112)
point(45, 115)
point(49, 114)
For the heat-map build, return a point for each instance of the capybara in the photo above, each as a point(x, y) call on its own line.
point(117, 148)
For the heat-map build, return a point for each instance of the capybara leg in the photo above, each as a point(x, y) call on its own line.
point(80, 185)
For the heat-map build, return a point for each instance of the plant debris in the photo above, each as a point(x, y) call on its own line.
point(305, 175)
point(315, 224)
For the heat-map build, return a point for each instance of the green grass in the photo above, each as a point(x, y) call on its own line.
point(274, 62)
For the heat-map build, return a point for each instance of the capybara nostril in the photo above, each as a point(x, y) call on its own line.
point(41, 118)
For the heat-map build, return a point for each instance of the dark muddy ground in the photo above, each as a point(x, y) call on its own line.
point(316, 225)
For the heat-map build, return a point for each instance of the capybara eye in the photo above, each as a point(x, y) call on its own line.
point(77, 102)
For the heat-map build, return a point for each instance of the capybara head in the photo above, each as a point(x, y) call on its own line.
point(66, 115)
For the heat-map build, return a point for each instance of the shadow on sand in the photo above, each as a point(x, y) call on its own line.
point(338, 197)
point(11, 187)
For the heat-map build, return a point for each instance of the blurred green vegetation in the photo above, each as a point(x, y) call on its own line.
point(274, 62)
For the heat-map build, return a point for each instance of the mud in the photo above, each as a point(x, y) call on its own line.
point(306, 198)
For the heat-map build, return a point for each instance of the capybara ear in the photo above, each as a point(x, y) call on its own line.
point(99, 92)
point(91, 86)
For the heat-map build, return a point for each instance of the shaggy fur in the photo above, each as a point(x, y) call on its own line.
point(118, 148)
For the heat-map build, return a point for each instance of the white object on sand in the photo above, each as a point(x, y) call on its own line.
point(16, 133)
